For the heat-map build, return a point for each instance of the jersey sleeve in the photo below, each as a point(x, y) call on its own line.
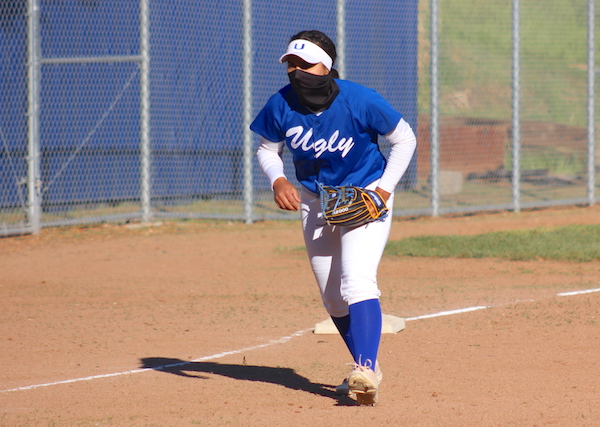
point(380, 115)
point(268, 123)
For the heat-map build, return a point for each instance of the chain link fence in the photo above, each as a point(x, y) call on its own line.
point(506, 104)
point(125, 110)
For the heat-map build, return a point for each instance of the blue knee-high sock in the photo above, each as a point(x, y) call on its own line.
point(365, 331)
point(343, 326)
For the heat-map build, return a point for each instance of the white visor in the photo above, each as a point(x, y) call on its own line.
point(308, 51)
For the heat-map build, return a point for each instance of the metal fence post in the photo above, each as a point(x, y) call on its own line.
point(248, 140)
point(516, 95)
point(591, 130)
point(33, 116)
point(341, 37)
point(145, 160)
point(434, 125)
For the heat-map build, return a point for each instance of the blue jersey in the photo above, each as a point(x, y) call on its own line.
point(337, 146)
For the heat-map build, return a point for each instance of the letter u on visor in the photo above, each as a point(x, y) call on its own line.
point(308, 51)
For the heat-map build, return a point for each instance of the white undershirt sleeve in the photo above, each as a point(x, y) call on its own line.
point(403, 142)
point(269, 159)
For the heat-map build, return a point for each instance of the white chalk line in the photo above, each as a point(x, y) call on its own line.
point(448, 313)
point(259, 346)
point(586, 291)
point(137, 371)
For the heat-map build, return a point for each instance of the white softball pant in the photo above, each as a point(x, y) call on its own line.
point(344, 260)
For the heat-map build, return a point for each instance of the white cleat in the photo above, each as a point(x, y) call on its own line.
point(362, 383)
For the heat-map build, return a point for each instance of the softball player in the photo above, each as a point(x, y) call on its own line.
point(331, 128)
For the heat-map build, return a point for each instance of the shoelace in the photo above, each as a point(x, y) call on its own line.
point(368, 364)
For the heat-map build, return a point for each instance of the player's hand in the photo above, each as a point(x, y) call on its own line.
point(384, 194)
point(286, 195)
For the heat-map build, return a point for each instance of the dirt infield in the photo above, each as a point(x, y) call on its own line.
point(86, 313)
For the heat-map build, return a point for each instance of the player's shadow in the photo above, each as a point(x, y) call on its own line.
point(285, 377)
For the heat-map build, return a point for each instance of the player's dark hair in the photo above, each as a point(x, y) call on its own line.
point(320, 39)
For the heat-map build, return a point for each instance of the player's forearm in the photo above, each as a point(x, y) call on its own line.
point(403, 142)
point(270, 161)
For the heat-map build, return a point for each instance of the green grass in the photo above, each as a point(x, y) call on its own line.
point(475, 59)
point(550, 159)
point(579, 243)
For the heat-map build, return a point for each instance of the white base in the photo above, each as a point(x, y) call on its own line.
point(391, 325)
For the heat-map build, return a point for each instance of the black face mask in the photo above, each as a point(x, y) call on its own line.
point(315, 92)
